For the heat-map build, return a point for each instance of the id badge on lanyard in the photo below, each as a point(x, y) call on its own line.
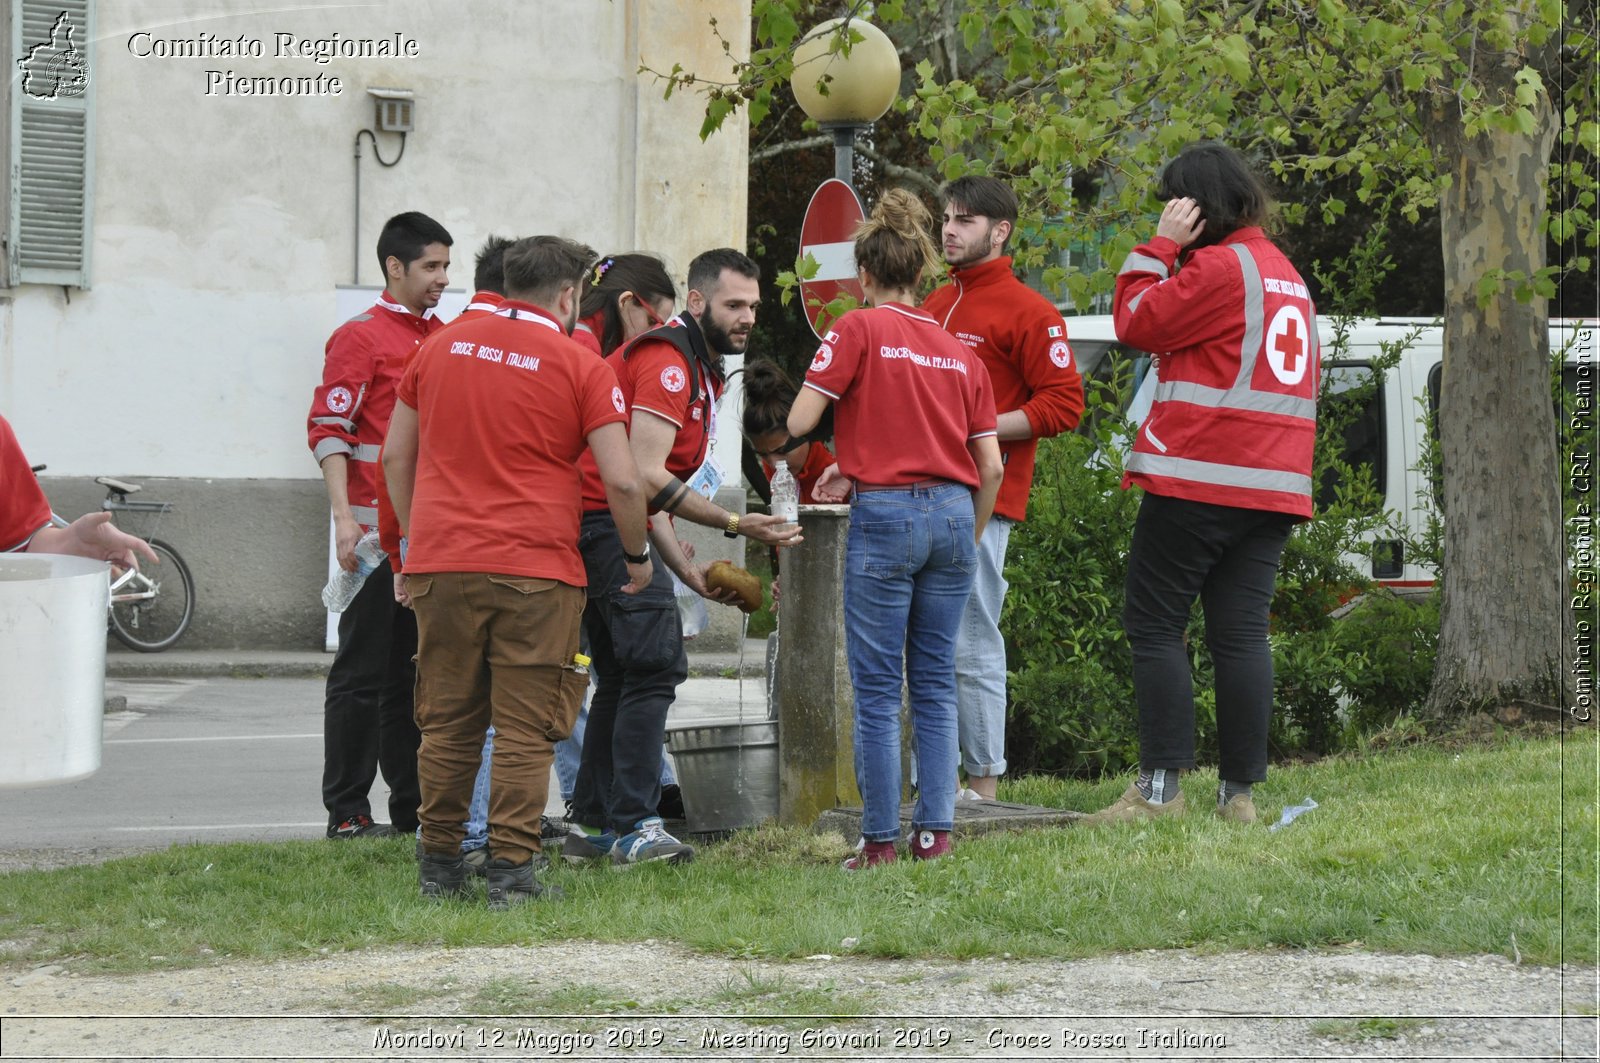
point(709, 476)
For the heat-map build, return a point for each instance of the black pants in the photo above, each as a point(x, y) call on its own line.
point(636, 642)
point(1228, 558)
point(367, 720)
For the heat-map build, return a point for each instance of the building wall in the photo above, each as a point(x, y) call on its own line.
point(223, 223)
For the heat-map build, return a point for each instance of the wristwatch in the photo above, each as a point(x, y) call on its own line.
point(637, 559)
point(732, 530)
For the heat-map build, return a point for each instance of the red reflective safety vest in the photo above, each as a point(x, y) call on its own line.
point(350, 409)
point(1234, 421)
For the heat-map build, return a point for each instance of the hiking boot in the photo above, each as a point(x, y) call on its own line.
point(361, 826)
point(513, 884)
point(1131, 806)
point(648, 843)
point(869, 854)
point(580, 847)
point(439, 877)
point(476, 861)
point(929, 844)
point(1238, 809)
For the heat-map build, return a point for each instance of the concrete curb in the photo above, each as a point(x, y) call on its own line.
point(311, 664)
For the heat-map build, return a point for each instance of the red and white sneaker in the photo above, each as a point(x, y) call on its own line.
point(870, 853)
point(929, 844)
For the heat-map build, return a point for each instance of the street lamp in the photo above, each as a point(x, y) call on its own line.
point(845, 93)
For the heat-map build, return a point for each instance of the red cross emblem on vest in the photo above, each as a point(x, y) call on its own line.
point(1288, 345)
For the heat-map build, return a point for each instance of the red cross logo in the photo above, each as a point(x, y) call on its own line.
point(1288, 341)
point(1290, 345)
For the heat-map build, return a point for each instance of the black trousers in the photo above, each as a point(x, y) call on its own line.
point(1228, 558)
point(636, 646)
point(367, 718)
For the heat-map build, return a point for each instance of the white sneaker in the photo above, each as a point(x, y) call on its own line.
point(968, 796)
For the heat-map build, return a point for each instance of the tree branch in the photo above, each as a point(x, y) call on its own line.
point(784, 147)
point(904, 173)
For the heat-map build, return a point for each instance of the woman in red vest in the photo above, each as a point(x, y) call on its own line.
point(1224, 459)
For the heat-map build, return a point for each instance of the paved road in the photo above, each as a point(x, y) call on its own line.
point(222, 759)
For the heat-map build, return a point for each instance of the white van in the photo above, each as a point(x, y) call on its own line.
point(1389, 433)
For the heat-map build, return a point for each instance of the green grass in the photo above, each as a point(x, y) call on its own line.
point(1375, 1028)
point(1420, 849)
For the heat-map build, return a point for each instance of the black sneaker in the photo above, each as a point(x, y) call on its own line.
point(513, 884)
point(361, 825)
point(552, 828)
point(441, 877)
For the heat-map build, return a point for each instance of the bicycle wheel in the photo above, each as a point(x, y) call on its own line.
point(153, 624)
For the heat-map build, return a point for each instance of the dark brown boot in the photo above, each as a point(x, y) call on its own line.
point(513, 884)
point(439, 877)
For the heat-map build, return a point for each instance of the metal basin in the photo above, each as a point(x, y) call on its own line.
point(52, 667)
point(729, 773)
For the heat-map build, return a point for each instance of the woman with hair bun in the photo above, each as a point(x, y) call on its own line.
point(914, 424)
point(623, 296)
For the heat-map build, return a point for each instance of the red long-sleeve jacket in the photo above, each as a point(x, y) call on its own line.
point(350, 409)
point(1022, 340)
point(1234, 421)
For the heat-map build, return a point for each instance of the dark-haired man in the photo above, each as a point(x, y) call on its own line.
point(1037, 392)
point(367, 708)
point(482, 463)
point(671, 379)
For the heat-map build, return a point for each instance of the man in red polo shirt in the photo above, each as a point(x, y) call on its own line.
point(482, 459)
point(1037, 392)
point(671, 379)
point(367, 709)
point(489, 284)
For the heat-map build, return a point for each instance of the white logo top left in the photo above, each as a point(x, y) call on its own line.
point(55, 69)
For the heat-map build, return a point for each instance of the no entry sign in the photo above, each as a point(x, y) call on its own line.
point(827, 235)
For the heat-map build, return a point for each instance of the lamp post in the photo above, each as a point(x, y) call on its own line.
point(845, 93)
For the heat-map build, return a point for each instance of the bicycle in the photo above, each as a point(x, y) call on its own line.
point(151, 606)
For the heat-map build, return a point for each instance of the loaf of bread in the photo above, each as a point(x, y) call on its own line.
point(724, 575)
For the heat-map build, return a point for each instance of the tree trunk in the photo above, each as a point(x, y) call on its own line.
point(1500, 647)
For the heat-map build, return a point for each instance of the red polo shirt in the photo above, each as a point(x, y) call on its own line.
point(505, 405)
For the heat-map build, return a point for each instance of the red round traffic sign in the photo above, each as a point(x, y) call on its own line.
point(828, 235)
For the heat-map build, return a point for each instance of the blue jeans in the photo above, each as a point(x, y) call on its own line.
point(981, 660)
point(909, 562)
point(478, 811)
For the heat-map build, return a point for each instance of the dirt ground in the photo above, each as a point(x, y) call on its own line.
point(650, 1000)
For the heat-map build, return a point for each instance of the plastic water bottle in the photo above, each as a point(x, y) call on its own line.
point(785, 494)
point(343, 587)
point(1293, 812)
point(692, 612)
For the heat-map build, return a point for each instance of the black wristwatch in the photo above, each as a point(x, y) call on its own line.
point(637, 559)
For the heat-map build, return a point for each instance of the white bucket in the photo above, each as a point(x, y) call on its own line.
point(52, 667)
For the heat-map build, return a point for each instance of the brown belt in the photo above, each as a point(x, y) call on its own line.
point(902, 487)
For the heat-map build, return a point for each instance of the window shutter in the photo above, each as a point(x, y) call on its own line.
point(52, 142)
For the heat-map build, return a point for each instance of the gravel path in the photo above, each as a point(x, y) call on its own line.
point(579, 1000)
point(661, 1001)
